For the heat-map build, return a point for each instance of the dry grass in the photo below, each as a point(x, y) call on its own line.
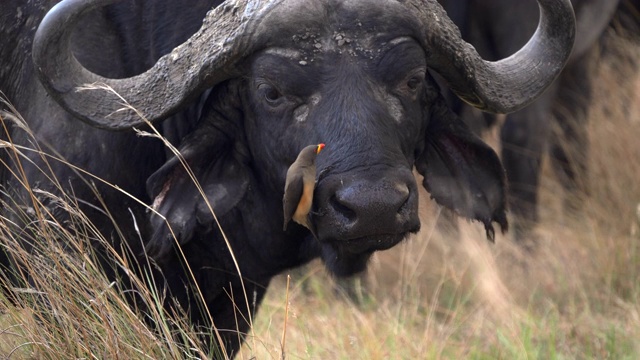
point(577, 296)
point(68, 307)
point(434, 296)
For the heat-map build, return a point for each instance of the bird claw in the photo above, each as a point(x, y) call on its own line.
point(322, 172)
point(317, 213)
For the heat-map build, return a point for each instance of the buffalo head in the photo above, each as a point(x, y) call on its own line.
point(352, 74)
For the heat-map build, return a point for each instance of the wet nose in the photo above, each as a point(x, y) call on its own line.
point(364, 207)
point(363, 201)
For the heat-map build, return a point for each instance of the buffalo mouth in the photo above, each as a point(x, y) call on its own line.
point(368, 244)
point(347, 257)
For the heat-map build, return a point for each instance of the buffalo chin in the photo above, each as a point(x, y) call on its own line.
point(348, 257)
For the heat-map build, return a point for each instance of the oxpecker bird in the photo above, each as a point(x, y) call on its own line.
point(299, 186)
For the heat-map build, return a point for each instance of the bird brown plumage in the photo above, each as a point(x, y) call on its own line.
point(299, 186)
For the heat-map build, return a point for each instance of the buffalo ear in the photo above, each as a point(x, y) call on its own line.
point(223, 179)
point(462, 172)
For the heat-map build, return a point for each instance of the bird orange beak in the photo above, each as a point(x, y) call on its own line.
point(320, 147)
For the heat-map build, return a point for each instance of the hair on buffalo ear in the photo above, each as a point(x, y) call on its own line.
point(186, 208)
point(461, 172)
point(210, 175)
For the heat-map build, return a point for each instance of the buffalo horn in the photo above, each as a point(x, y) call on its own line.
point(506, 85)
point(173, 80)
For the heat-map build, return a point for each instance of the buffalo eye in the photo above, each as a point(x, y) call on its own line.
point(270, 93)
point(413, 83)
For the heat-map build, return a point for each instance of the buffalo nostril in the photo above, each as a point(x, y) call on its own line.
point(386, 204)
point(371, 201)
point(402, 195)
point(342, 208)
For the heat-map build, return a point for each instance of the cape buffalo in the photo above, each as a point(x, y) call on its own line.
point(240, 97)
point(556, 121)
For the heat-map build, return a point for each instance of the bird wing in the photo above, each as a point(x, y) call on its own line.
point(292, 192)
